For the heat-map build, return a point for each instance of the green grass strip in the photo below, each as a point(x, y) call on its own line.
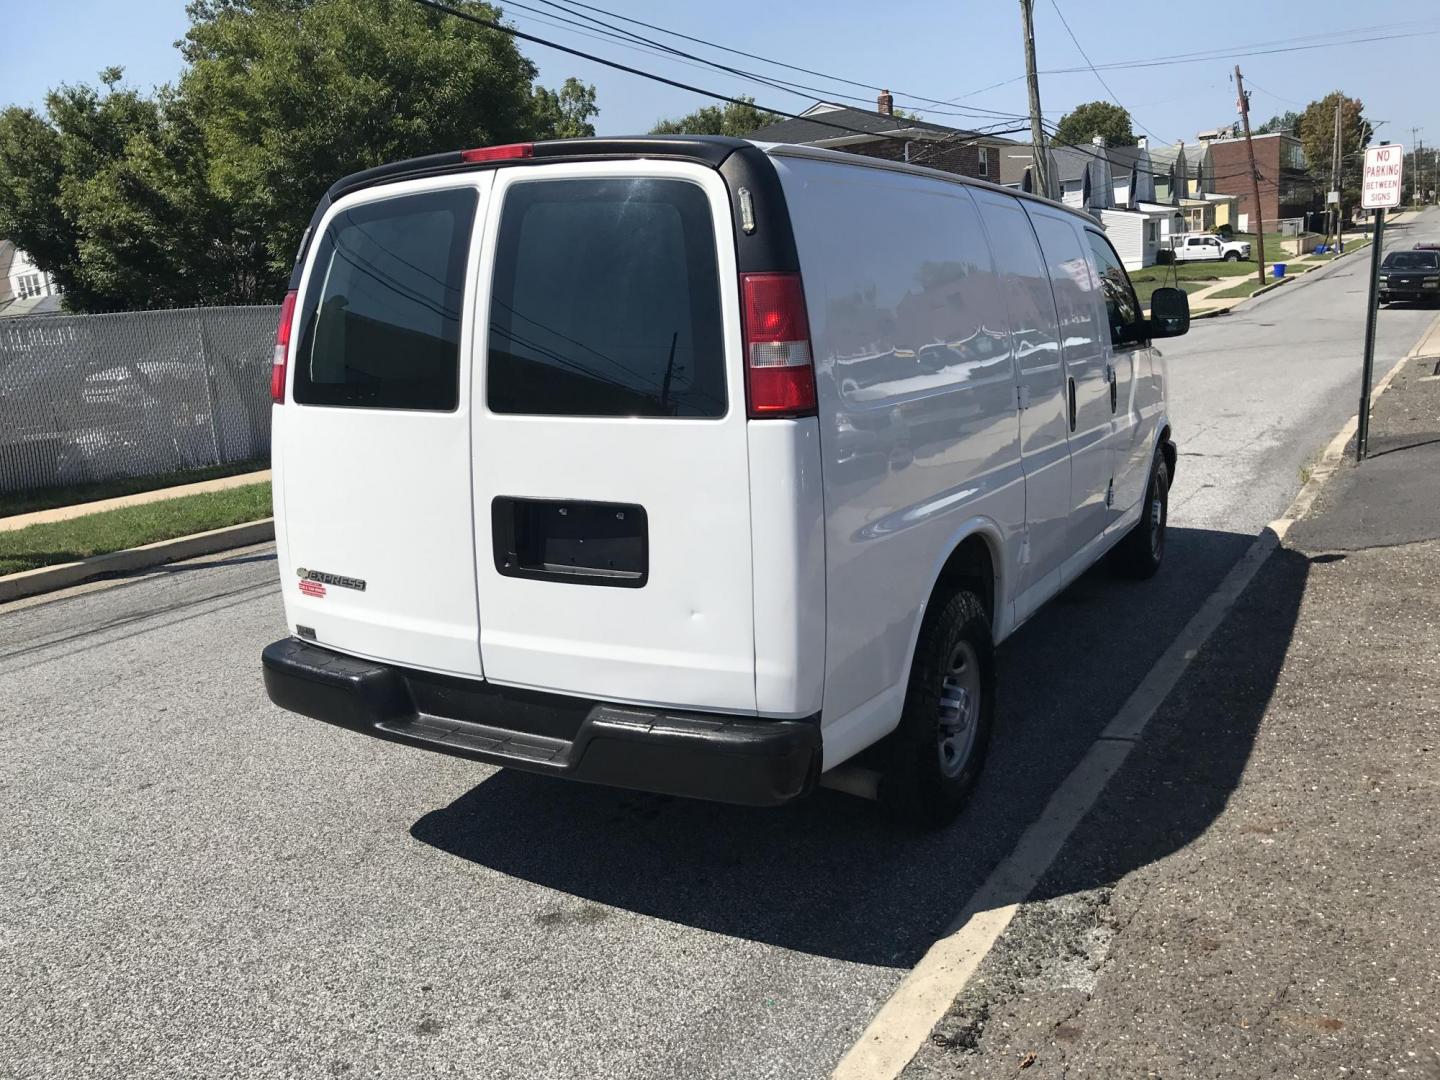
point(130, 526)
point(24, 502)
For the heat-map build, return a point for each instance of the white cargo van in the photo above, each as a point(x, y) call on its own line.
point(698, 466)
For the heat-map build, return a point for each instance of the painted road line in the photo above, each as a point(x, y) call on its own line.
point(906, 1019)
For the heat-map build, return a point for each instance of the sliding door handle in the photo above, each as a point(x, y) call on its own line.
point(1072, 403)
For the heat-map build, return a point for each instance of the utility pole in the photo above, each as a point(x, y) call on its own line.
point(1243, 101)
point(1334, 215)
point(1039, 169)
point(1415, 152)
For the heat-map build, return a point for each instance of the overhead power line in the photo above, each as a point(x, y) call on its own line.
point(511, 31)
point(1086, 57)
point(1330, 40)
point(942, 106)
point(630, 39)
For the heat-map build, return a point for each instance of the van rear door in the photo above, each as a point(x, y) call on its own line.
point(372, 443)
point(611, 483)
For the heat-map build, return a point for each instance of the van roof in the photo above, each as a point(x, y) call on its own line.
point(716, 151)
point(841, 157)
point(708, 149)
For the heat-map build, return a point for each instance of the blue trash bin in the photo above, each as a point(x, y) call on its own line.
point(1278, 269)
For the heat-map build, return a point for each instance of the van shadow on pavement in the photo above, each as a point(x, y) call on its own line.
point(829, 875)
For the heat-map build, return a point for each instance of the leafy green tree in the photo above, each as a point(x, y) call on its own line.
point(565, 115)
point(1082, 123)
point(200, 193)
point(1316, 130)
point(730, 118)
point(292, 94)
point(1285, 122)
point(55, 172)
point(30, 174)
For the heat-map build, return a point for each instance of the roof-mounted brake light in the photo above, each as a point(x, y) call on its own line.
point(499, 153)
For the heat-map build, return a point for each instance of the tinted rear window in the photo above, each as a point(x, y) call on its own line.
point(381, 323)
point(606, 301)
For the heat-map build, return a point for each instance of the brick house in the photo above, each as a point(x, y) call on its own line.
point(883, 134)
point(1287, 189)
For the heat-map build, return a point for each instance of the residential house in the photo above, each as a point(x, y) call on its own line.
point(884, 134)
point(1136, 224)
point(1286, 187)
point(24, 287)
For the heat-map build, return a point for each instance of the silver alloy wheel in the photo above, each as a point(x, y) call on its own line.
point(959, 709)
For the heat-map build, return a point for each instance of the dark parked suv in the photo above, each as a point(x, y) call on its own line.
point(1410, 275)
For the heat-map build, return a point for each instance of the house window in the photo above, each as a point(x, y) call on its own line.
point(1152, 230)
point(984, 162)
point(29, 285)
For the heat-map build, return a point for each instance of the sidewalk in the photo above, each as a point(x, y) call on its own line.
point(65, 513)
point(1255, 893)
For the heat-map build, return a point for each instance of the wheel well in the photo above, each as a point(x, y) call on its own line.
point(972, 565)
point(1168, 449)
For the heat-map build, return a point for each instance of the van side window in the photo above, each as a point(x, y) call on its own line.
point(1126, 327)
point(1020, 271)
point(380, 321)
point(1074, 286)
point(606, 301)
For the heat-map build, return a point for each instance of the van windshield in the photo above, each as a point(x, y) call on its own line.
point(606, 301)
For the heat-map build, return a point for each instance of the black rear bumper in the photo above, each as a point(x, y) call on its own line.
point(727, 759)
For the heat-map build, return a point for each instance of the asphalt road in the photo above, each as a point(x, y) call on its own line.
point(198, 883)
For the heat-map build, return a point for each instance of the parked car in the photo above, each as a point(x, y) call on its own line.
point(1410, 275)
point(1200, 247)
point(635, 461)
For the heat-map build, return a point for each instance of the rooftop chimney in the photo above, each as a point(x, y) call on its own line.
point(886, 103)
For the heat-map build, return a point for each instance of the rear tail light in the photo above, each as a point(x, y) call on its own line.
point(282, 349)
point(780, 377)
point(499, 153)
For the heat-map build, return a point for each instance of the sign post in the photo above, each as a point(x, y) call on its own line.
point(1379, 190)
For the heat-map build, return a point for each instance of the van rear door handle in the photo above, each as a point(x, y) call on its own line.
point(1072, 402)
point(1110, 377)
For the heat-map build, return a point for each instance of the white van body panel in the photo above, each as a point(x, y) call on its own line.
point(688, 637)
point(789, 561)
point(919, 429)
point(379, 495)
point(787, 515)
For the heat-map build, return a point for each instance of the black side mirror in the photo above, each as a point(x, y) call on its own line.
point(1169, 313)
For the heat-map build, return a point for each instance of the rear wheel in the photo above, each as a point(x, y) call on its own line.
point(1139, 555)
point(935, 756)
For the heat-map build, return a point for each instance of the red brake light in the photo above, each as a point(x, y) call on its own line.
point(780, 376)
point(282, 348)
point(499, 153)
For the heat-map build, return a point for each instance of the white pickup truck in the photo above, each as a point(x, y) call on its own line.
point(1198, 247)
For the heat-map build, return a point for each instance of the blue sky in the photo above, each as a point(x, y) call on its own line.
point(941, 49)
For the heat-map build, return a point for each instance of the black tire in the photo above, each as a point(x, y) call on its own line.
point(1142, 551)
point(951, 694)
point(1234, 256)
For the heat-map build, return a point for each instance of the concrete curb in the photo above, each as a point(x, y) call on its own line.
point(49, 578)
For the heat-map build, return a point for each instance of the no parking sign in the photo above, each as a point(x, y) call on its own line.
point(1380, 188)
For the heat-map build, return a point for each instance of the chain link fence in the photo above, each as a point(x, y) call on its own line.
point(85, 398)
